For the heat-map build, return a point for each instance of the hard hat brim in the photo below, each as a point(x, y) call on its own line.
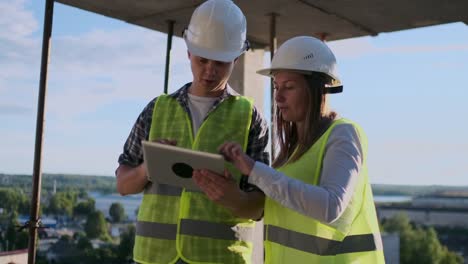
point(210, 54)
point(269, 72)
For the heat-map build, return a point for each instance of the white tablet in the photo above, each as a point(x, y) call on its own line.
point(173, 165)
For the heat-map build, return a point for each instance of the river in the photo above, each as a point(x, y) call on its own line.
point(132, 202)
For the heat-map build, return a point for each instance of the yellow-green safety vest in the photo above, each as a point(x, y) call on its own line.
point(354, 237)
point(175, 223)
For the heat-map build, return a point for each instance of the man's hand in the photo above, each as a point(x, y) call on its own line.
point(233, 153)
point(131, 180)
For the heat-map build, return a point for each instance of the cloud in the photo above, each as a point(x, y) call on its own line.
point(418, 162)
point(352, 48)
point(357, 47)
point(82, 159)
point(449, 66)
point(88, 72)
point(425, 48)
point(96, 67)
point(17, 152)
point(18, 56)
point(16, 22)
point(103, 67)
point(14, 109)
point(96, 70)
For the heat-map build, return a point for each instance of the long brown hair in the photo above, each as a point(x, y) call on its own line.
point(318, 119)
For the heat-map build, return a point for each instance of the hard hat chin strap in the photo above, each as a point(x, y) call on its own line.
point(246, 46)
point(333, 90)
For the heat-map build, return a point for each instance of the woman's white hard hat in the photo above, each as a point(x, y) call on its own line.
point(306, 55)
point(217, 31)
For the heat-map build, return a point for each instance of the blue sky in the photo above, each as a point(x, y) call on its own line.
point(407, 89)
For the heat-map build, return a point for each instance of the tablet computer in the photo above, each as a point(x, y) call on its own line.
point(172, 165)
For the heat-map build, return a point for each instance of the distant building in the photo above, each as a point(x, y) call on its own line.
point(55, 187)
point(97, 243)
point(14, 257)
point(46, 222)
point(431, 210)
point(45, 244)
point(61, 250)
point(440, 201)
point(391, 245)
point(114, 231)
point(45, 233)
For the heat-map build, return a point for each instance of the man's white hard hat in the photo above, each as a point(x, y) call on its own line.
point(306, 55)
point(217, 31)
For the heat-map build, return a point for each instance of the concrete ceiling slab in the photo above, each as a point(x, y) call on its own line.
point(337, 19)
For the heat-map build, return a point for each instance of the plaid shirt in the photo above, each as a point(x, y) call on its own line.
point(257, 141)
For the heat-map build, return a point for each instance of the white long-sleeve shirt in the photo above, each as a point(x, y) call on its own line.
point(327, 201)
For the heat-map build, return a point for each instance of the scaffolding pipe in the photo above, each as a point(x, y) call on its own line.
point(170, 33)
point(34, 220)
point(273, 45)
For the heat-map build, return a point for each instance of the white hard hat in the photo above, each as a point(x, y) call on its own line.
point(307, 55)
point(217, 31)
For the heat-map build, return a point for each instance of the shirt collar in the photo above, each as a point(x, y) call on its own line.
point(182, 93)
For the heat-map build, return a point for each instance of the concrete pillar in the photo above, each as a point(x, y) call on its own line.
point(246, 81)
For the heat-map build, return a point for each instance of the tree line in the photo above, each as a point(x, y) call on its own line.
point(62, 182)
point(75, 205)
point(103, 184)
point(419, 244)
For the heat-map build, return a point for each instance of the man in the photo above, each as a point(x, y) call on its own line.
point(214, 226)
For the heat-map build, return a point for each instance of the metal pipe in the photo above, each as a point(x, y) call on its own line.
point(34, 220)
point(273, 40)
point(170, 33)
point(273, 45)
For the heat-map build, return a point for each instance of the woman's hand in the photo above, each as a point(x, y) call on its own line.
point(221, 189)
point(224, 190)
point(233, 153)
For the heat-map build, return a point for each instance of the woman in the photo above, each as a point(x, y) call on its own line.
point(319, 206)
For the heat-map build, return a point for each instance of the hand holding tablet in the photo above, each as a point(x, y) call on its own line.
point(166, 164)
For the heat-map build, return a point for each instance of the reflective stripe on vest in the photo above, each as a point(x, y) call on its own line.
point(156, 230)
point(163, 189)
point(194, 228)
point(321, 246)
